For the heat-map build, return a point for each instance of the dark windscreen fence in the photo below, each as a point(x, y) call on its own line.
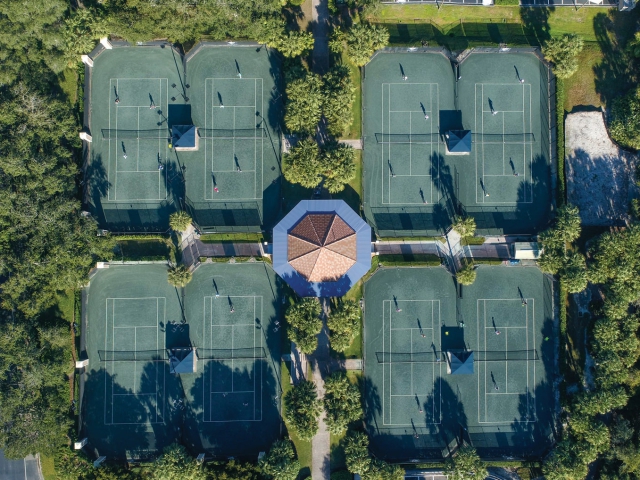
point(441, 356)
point(435, 137)
point(230, 353)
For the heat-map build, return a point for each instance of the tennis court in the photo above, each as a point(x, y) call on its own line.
point(131, 175)
point(135, 403)
point(443, 367)
point(232, 181)
point(236, 392)
point(414, 183)
point(130, 394)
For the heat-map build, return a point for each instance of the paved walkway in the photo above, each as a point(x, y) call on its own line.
point(321, 443)
point(321, 27)
point(193, 249)
point(356, 144)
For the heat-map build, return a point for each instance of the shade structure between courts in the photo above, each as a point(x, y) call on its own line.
point(421, 378)
point(415, 185)
point(220, 403)
point(321, 248)
point(150, 161)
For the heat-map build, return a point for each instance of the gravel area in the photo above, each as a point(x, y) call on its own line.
point(600, 176)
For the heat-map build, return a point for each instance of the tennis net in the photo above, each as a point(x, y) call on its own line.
point(165, 355)
point(112, 133)
point(246, 133)
point(478, 356)
point(435, 137)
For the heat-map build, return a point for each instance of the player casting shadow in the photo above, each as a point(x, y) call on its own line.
point(152, 104)
point(220, 100)
point(404, 76)
point(115, 93)
point(493, 110)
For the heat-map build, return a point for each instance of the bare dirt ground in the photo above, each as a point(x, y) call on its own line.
point(600, 176)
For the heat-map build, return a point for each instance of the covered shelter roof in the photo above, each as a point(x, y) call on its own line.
point(183, 360)
point(458, 142)
point(184, 137)
point(460, 362)
point(321, 248)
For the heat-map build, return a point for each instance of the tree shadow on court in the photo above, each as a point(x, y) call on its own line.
point(112, 440)
point(231, 424)
point(371, 403)
point(445, 211)
point(533, 433)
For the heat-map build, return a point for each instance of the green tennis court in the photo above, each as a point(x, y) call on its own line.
point(414, 183)
point(443, 366)
point(132, 179)
point(233, 179)
point(135, 404)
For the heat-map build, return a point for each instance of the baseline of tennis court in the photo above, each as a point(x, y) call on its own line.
point(410, 170)
point(235, 164)
point(133, 325)
point(507, 325)
point(232, 388)
point(408, 388)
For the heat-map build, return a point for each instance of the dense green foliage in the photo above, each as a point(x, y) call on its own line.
point(303, 108)
point(176, 464)
point(338, 94)
point(179, 221)
point(465, 465)
point(624, 126)
point(563, 52)
point(179, 276)
point(360, 41)
point(304, 324)
point(557, 258)
point(302, 407)
point(344, 323)
point(356, 449)
point(341, 402)
point(467, 274)
point(308, 165)
point(465, 226)
point(34, 397)
point(281, 462)
point(46, 246)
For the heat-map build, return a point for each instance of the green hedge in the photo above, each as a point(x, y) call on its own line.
point(487, 261)
point(409, 260)
point(472, 241)
point(506, 2)
point(243, 237)
point(560, 97)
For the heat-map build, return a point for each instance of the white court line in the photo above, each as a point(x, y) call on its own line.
point(208, 180)
point(111, 300)
point(434, 146)
point(208, 333)
point(387, 408)
point(531, 414)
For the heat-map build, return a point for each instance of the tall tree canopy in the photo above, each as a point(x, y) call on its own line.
point(341, 402)
point(45, 244)
point(304, 324)
point(303, 108)
point(281, 462)
point(302, 407)
point(339, 94)
point(343, 323)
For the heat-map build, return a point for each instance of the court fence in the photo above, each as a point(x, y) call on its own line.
point(165, 355)
point(440, 356)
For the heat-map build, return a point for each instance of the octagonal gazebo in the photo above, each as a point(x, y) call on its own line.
point(321, 248)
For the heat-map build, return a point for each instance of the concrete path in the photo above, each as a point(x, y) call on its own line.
point(193, 249)
point(321, 443)
point(320, 57)
point(26, 469)
point(356, 144)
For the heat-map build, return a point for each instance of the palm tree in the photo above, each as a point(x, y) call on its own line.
point(179, 221)
point(465, 226)
point(466, 275)
point(179, 276)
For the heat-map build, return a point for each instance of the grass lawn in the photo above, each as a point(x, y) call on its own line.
point(355, 130)
point(48, 468)
point(68, 81)
point(580, 89)
point(303, 448)
point(232, 237)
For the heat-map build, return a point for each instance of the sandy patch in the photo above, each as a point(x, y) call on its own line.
point(600, 176)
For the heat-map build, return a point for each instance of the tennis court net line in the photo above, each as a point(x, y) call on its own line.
point(165, 355)
point(518, 138)
point(478, 356)
point(229, 133)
